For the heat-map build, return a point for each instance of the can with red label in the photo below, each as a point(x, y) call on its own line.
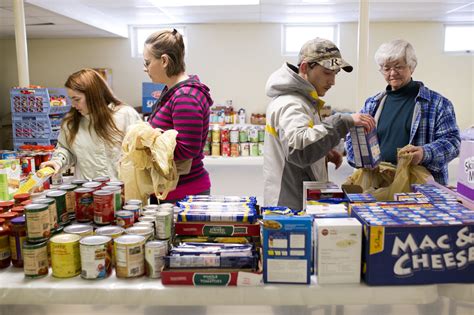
point(84, 204)
point(121, 185)
point(117, 196)
point(225, 134)
point(124, 218)
point(225, 149)
point(103, 207)
point(135, 209)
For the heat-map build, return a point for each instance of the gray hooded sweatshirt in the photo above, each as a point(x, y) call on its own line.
point(296, 141)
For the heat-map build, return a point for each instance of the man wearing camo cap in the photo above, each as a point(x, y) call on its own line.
point(297, 142)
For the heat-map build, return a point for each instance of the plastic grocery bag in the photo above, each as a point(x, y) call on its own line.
point(387, 179)
point(147, 164)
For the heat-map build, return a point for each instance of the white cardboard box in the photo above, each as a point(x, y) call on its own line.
point(338, 250)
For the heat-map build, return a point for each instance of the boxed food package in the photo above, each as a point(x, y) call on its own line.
point(365, 146)
point(466, 165)
point(427, 245)
point(338, 249)
point(286, 249)
point(10, 172)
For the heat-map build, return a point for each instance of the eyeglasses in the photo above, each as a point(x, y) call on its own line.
point(397, 69)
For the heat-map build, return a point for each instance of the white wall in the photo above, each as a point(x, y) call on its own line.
point(235, 60)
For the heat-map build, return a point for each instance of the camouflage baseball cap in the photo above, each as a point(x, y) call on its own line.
point(325, 53)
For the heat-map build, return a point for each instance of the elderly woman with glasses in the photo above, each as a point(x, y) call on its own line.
point(407, 112)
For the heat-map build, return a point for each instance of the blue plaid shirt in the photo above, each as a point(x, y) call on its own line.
point(433, 127)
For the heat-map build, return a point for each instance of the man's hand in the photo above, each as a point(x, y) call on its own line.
point(335, 158)
point(417, 153)
point(364, 120)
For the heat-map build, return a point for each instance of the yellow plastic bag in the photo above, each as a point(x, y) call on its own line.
point(387, 179)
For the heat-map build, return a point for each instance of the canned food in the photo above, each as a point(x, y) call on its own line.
point(65, 255)
point(234, 149)
point(20, 210)
point(135, 202)
point(16, 239)
point(79, 182)
point(117, 196)
point(96, 257)
point(207, 149)
point(225, 148)
point(79, 229)
point(135, 209)
point(59, 197)
point(92, 185)
point(130, 256)
point(261, 148)
point(225, 134)
point(70, 198)
point(261, 135)
point(244, 149)
point(154, 261)
point(149, 213)
point(103, 207)
point(84, 204)
point(253, 149)
point(53, 214)
point(234, 135)
point(6, 205)
point(163, 222)
point(216, 149)
point(145, 224)
point(253, 135)
point(35, 259)
point(243, 135)
point(139, 230)
point(124, 218)
point(112, 231)
point(151, 207)
point(216, 134)
point(37, 222)
point(120, 184)
point(101, 179)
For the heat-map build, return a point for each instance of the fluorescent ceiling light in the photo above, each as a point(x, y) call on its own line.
point(190, 3)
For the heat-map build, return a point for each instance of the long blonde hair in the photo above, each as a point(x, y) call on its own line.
point(98, 96)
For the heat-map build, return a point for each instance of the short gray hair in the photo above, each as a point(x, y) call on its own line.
point(398, 49)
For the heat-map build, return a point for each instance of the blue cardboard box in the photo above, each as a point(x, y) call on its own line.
point(151, 92)
point(286, 249)
point(425, 246)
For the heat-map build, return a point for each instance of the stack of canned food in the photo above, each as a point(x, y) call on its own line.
point(84, 228)
point(238, 140)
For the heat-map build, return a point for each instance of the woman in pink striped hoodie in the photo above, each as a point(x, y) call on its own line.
point(184, 106)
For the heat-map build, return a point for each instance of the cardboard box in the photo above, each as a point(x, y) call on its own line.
point(466, 166)
point(338, 246)
point(10, 172)
point(365, 147)
point(151, 92)
point(424, 246)
point(217, 229)
point(286, 249)
point(210, 277)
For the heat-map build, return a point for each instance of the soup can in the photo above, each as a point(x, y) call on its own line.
point(103, 207)
point(135, 202)
point(163, 222)
point(35, 259)
point(96, 257)
point(234, 135)
point(120, 184)
point(84, 204)
point(65, 255)
point(59, 197)
point(124, 218)
point(138, 230)
point(155, 251)
point(79, 229)
point(117, 196)
point(79, 182)
point(92, 185)
point(130, 256)
point(70, 198)
point(53, 213)
point(151, 207)
point(38, 227)
point(135, 209)
point(102, 180)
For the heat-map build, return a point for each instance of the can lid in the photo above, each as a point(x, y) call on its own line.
point(65, 238)
point(146, 219)
point(109, 230)
point(36, 207)
point(144, 224)
point(112, 188)
point(18, 220)
point(21, 196)
point(79, 181)
point(67, 187)
point(129, 239)
point(47, 201)
point(115, 183)
point(83, 190)
point(101, 179)
point(134, 202)
point(8, 215)
point(95, 240)
point(151, 207)
point(139, 230)
point(78, 228)
point(131, 207)
point(56, 193)
point(102, 193)
point(28, 245)
point(91, 185)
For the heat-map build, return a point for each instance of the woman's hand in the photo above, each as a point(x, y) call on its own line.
point(52, 164)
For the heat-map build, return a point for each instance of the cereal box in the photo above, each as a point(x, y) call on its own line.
point(10, 171)
point(366, 147)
